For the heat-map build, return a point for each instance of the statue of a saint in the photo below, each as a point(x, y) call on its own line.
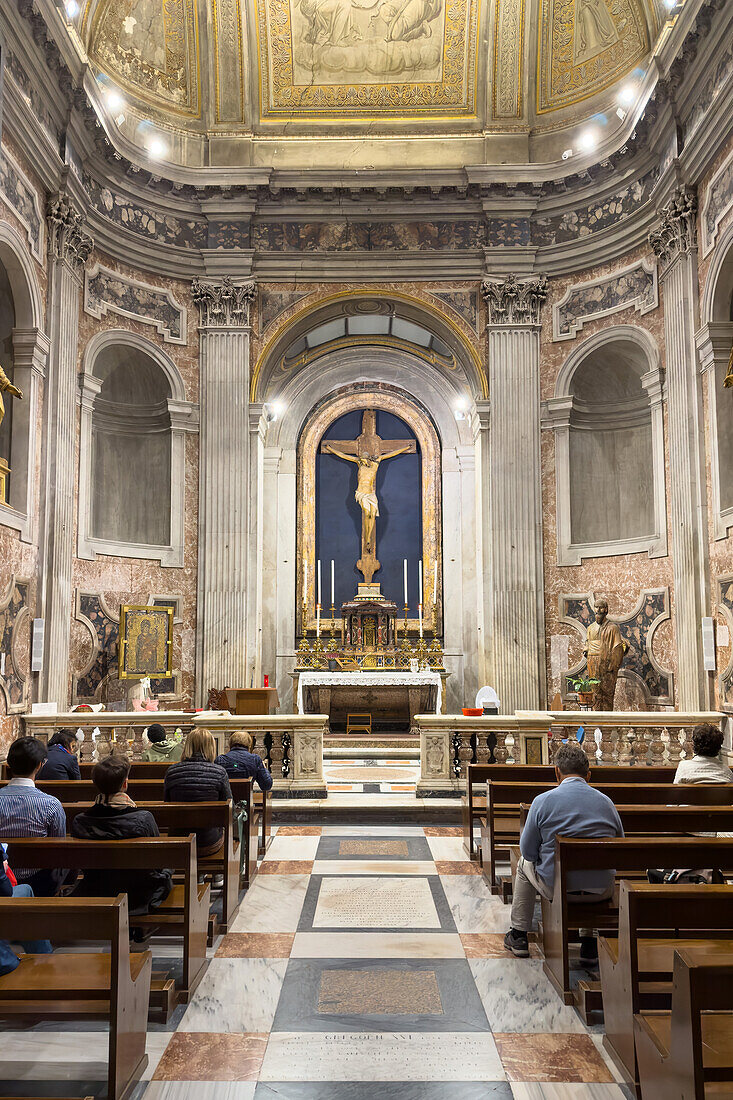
point(6, 386)
point(605, 651)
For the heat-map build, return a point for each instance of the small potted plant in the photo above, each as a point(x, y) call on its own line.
point(584, 687)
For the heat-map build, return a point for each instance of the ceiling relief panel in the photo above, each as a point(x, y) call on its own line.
point(508, 50)
point(585, 46)
point(229, 69)
point(150, 47)
point(365, 58)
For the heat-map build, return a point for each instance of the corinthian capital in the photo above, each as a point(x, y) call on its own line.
point(676, 234)
point(223, 305)
point(66, 237)
point(514, 301)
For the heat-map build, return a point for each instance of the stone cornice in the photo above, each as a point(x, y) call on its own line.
point(514, 302)
point(223, 305)
point(676, 234)
point(67, 240)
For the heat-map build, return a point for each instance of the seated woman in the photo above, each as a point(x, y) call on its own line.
point(706, 765)
point(61, 762)
point(114, 816)
point(160, 748)
point(241, 761)
point(196, 778)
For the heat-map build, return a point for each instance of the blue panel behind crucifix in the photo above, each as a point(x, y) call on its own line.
point(338, 516)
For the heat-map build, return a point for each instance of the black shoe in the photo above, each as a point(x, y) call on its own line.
point(517, 942)
point(589, 951)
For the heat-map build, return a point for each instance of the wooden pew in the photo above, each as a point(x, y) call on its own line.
point(181, 818)
point(185, 912)
point(636, 965)
point(473, 802)
point(688, 1052)
point(151, 790)
point(630, 857)
point(501, 824)
point(81, 986)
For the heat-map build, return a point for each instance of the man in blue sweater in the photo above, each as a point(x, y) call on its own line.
point(573, 808)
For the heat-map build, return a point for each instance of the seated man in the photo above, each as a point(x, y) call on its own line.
point(114, 816)
point(573, 808)
point(26, 811)
point(160, 748)
point(241, 762)
point(10, 889)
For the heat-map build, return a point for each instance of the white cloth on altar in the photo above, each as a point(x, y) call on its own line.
point(371, 679)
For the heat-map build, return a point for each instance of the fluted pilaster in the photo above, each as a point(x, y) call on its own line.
point(675, 244)
point(69, 249)
point(515, 603)
point(224, 497)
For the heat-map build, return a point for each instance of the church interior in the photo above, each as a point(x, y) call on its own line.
point(366, 549)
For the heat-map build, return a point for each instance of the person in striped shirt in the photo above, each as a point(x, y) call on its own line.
point(26, 811)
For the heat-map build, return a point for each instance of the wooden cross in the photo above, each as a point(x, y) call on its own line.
point(367, 451)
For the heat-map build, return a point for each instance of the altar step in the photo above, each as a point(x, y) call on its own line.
point(389, 745)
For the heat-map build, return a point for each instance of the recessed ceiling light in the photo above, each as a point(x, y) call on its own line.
point(72, 8)
point(626, 95)
point(587, 141)
point(114, 100)
point(157, 148)
point(621, 113)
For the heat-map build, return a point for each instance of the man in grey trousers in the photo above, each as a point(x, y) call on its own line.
point(573, 808)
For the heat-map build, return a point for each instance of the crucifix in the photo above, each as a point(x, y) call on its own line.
point(367, 451)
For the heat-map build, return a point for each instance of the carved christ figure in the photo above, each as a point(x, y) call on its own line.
point(6, 386)
point(367, 452)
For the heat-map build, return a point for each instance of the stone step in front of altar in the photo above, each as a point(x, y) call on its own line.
point(362, 809)
point(374, 743)
point(338, 752)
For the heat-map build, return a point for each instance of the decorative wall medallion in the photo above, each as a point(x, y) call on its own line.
point(109, 291)
point(464, 302)
point(14, 614)
point(275, 302)
point(585, 45)
point(23, 200)
point(718, 201)
point(637, 629)
point(632, 286)
point(508, 52)
point(323, 57)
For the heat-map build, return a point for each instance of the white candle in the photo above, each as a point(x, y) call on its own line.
point(419, 611)
point(333, 585)
point(405, 569)
point(435, 581)
point(305, 579)
point(419, 573)
point(318, 620)
point(318, 601)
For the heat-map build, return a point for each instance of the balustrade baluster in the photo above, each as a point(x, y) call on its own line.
point(626, 746)
point(483, 751)
point(465, 755)
point(137, 742)
point(500, 751)
point(665, 739)
point(276, 755)
point(509, 745)
point(456, 745)
point(286, 743)
point(492, 741)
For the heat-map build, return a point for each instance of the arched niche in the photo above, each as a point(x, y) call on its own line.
point(609, 448)
point(714, 341)
point(132, 451)
point(23, 354)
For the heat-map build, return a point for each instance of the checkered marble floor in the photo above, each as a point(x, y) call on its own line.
point(365, 963)
point(371, 775)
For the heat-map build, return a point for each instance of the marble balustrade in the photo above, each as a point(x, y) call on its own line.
point(449, 743)
point(290, 744)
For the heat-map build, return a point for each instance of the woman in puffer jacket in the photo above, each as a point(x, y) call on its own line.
point(196, 778)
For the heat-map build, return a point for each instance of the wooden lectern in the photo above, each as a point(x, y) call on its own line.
point(252, 700)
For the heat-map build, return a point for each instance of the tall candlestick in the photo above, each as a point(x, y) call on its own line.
point(419, 574)
point(305, 580)
point(405, 569)
point(435, 581)
point(318, 620)
point(419, 611)
point(333, 584)
point(318, 601)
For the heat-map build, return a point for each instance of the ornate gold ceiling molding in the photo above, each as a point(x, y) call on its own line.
point(508, 55)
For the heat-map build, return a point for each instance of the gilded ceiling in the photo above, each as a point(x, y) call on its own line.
point(265, 66)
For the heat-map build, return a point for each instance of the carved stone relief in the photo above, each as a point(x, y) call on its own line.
point(508, 52)
point(224, 304)
point(725, 603)
point(464, 302)
point(718, 201)
point(435, 756)
point(106, 290)
point(23, 200)
point(513, 301)
point(632, 286)
point(274, 302)
point(676, 234)
point(14, 618)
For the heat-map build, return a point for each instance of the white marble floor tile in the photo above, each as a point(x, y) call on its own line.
point(236, 995)
point(293, 847)
point(200, 1090)
point(518, 997)
point(272, 904)
point(447, 847)
point(372, 830)
point(373, 867)
point(566, 1090)
point(64, 1055)
point(386, 1056)
point(474, 909)
point(377, 945)
point(374, 902)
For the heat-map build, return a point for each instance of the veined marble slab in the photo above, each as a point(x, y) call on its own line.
point(566, 1090)
point(377, 945)
point(373, 867)
point(272, 904)
point(200, 1090)
point(518, 997)
point(54, 1056)
point(381, 1056)
point(473, 908)
point(236, 995)
point(375, 902)
point(293, 847)
point(448, 848)
point(372, 830)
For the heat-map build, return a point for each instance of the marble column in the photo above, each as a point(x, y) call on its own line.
point(674, 243)
point(224, 485)
point(515, 635)
point(69, 249)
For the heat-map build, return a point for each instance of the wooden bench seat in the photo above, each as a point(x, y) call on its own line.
point(184, 914)
point(636, 964)
point(688, 1051)
point(115, 979)
point(628, 856)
